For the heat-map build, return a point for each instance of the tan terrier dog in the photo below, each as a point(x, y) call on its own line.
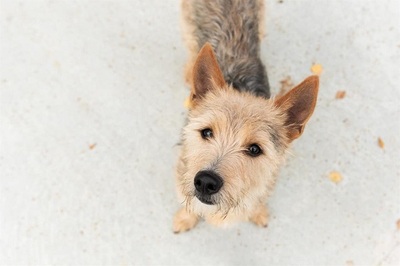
point(236, 137)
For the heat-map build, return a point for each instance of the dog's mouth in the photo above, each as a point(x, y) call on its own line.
point(205, 199)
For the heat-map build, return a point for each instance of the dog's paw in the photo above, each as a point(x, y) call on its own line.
point(184, 221)
point(260, 216)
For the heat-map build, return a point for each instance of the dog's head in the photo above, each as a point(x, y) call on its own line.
point(234, 142)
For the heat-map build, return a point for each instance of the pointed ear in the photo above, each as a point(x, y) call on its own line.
point(206, 73)
point(299, 104)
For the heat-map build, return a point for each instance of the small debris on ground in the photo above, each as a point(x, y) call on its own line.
point(316, 69)
point(92, 146)
point(340, 94)
point(187, 103)
point(335, 177)
point(398, 224)
point(381, 144)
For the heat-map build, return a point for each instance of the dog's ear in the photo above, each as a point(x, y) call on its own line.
point(206, 74)
point(299, 104)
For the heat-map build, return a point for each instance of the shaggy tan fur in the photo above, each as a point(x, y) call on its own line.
point(238, 119)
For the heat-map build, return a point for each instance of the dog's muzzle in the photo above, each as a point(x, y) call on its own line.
point(207, 183)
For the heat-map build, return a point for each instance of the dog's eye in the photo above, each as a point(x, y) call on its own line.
point(206, 133)
point(254, 150)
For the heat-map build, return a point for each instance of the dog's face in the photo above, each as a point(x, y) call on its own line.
point(234, 142)
point(233, 145)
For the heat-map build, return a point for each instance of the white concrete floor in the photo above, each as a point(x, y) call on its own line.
point(91, 107)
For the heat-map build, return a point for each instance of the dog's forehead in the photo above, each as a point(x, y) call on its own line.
point(238, 108)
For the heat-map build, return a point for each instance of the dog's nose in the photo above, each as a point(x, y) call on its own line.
point(207, 182)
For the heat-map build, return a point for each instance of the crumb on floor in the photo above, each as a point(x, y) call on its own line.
point(381, 144)
point(316, 69)
point(340, 94)
point(335, 177)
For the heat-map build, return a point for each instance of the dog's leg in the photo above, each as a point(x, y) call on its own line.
point(260, 215)
point(184, 221)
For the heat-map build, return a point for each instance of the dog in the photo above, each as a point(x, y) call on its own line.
point(236, 136)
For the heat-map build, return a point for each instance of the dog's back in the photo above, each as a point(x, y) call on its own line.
point(234, 29)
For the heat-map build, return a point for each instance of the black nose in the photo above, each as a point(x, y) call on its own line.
point(207, 182)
